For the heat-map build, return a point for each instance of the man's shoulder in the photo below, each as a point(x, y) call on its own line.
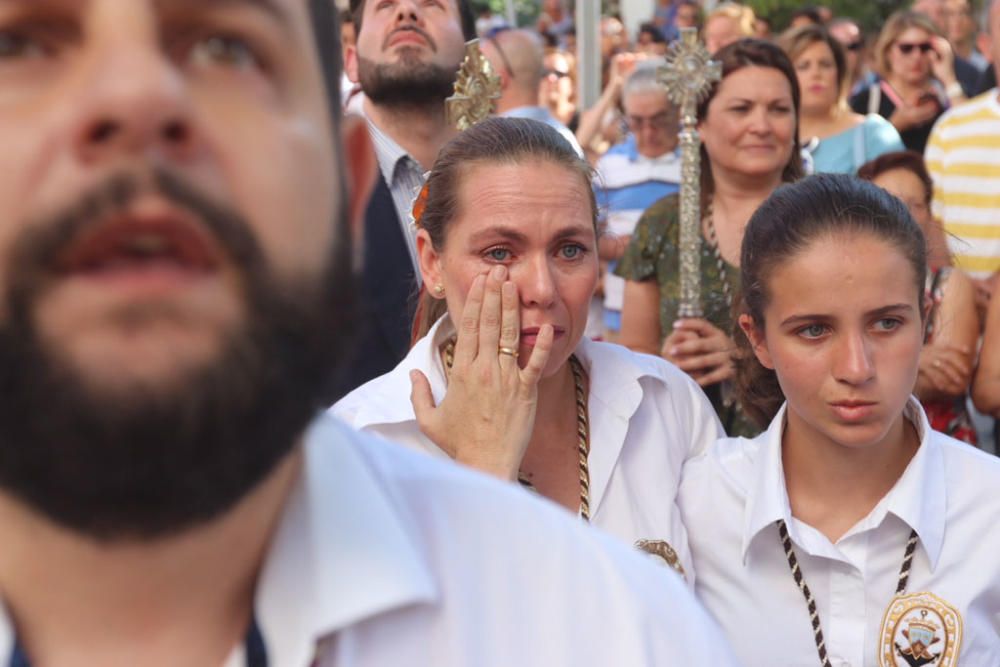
point(981, 114)
point(498, 550)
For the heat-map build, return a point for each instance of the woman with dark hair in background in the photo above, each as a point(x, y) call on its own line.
point(949, 354)
point(836, 139)
point(501, 378)
point(849, 532)
point(749, 146)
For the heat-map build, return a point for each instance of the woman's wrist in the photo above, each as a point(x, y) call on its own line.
point(953, 89)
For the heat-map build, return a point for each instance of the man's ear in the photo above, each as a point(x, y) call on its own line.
point(351, 63)
point(430, 265)
point(361, 163)
point(758, 343)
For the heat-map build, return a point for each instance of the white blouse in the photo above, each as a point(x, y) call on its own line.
point(733, 495)
point(646, 419)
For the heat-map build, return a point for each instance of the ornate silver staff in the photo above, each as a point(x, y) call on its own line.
point(688, 76)
point(477, 88)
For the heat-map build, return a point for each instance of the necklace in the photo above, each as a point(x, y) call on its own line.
point(800, 580)
point(582, 428)
point(713, 242)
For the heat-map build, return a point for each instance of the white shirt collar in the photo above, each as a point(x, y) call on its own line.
point(340, 554)
point(614, 371)
point(918, 497)
point(615, 394)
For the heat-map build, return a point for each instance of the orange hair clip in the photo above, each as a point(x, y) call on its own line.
point(419, 204)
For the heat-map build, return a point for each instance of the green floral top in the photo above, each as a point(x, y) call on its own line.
point(653, 254)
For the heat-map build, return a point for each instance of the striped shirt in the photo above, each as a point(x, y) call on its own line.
point(627, 184)
point(404, 177)
point(963, 158)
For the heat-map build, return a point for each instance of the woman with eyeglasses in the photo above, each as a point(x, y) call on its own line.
point(748, 126)
point(837, 139)
point(918, 83)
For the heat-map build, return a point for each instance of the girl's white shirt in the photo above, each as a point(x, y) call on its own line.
point(646, 419)
point(733, 495)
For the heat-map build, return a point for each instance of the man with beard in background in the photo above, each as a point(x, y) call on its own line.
point(406, 58)
point(175, 283)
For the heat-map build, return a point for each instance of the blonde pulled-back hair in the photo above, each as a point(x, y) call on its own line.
point(898, 23)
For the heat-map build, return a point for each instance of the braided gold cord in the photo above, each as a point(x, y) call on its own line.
point(583, 437)
point(582, 428)
point(800, 581)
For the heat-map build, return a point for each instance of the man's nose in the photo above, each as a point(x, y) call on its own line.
point(133, 100)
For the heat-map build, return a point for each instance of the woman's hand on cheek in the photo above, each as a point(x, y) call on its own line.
point(488, 413)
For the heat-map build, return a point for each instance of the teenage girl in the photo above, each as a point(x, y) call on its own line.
point(849, 533)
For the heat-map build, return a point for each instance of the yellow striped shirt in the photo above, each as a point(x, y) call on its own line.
point(963, 158)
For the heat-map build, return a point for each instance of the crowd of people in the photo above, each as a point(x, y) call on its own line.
point(297, 373)
point(847, 192)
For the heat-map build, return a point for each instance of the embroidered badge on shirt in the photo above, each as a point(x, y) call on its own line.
point(920, 629)
point(662, 551)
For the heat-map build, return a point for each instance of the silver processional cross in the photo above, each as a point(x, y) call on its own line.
point(688, 77)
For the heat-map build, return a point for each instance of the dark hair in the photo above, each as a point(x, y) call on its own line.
point(750, 52)
point(911, 161)
point(493, 141)
point(797, 40)
point(468, 19)
point(650, 29)
point(793, 217)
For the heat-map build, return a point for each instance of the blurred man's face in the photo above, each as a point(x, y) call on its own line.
point(167, 221)
point(960, 22)
point(721, 31)
point(407, 51)
point(935, 10)
point(686, 17)
point(653, 121)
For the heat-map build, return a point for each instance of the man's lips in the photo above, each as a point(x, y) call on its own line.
point(407, 36)
point(132, 241)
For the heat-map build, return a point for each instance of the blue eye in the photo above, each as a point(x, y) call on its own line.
point(498, 254)
point(812, 331)
point(572, 251)
point(225, 50)
point(888, 324)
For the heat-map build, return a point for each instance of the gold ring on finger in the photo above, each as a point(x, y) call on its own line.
point(510, 351)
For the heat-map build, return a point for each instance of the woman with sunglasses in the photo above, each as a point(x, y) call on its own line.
point(918, 82)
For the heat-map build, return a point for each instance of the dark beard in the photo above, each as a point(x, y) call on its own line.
point(410, 84)
point(147, 463)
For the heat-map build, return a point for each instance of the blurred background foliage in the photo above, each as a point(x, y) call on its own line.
point(870, 13)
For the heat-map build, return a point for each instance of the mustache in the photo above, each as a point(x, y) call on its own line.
point(38, 248)
point(412, 28)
